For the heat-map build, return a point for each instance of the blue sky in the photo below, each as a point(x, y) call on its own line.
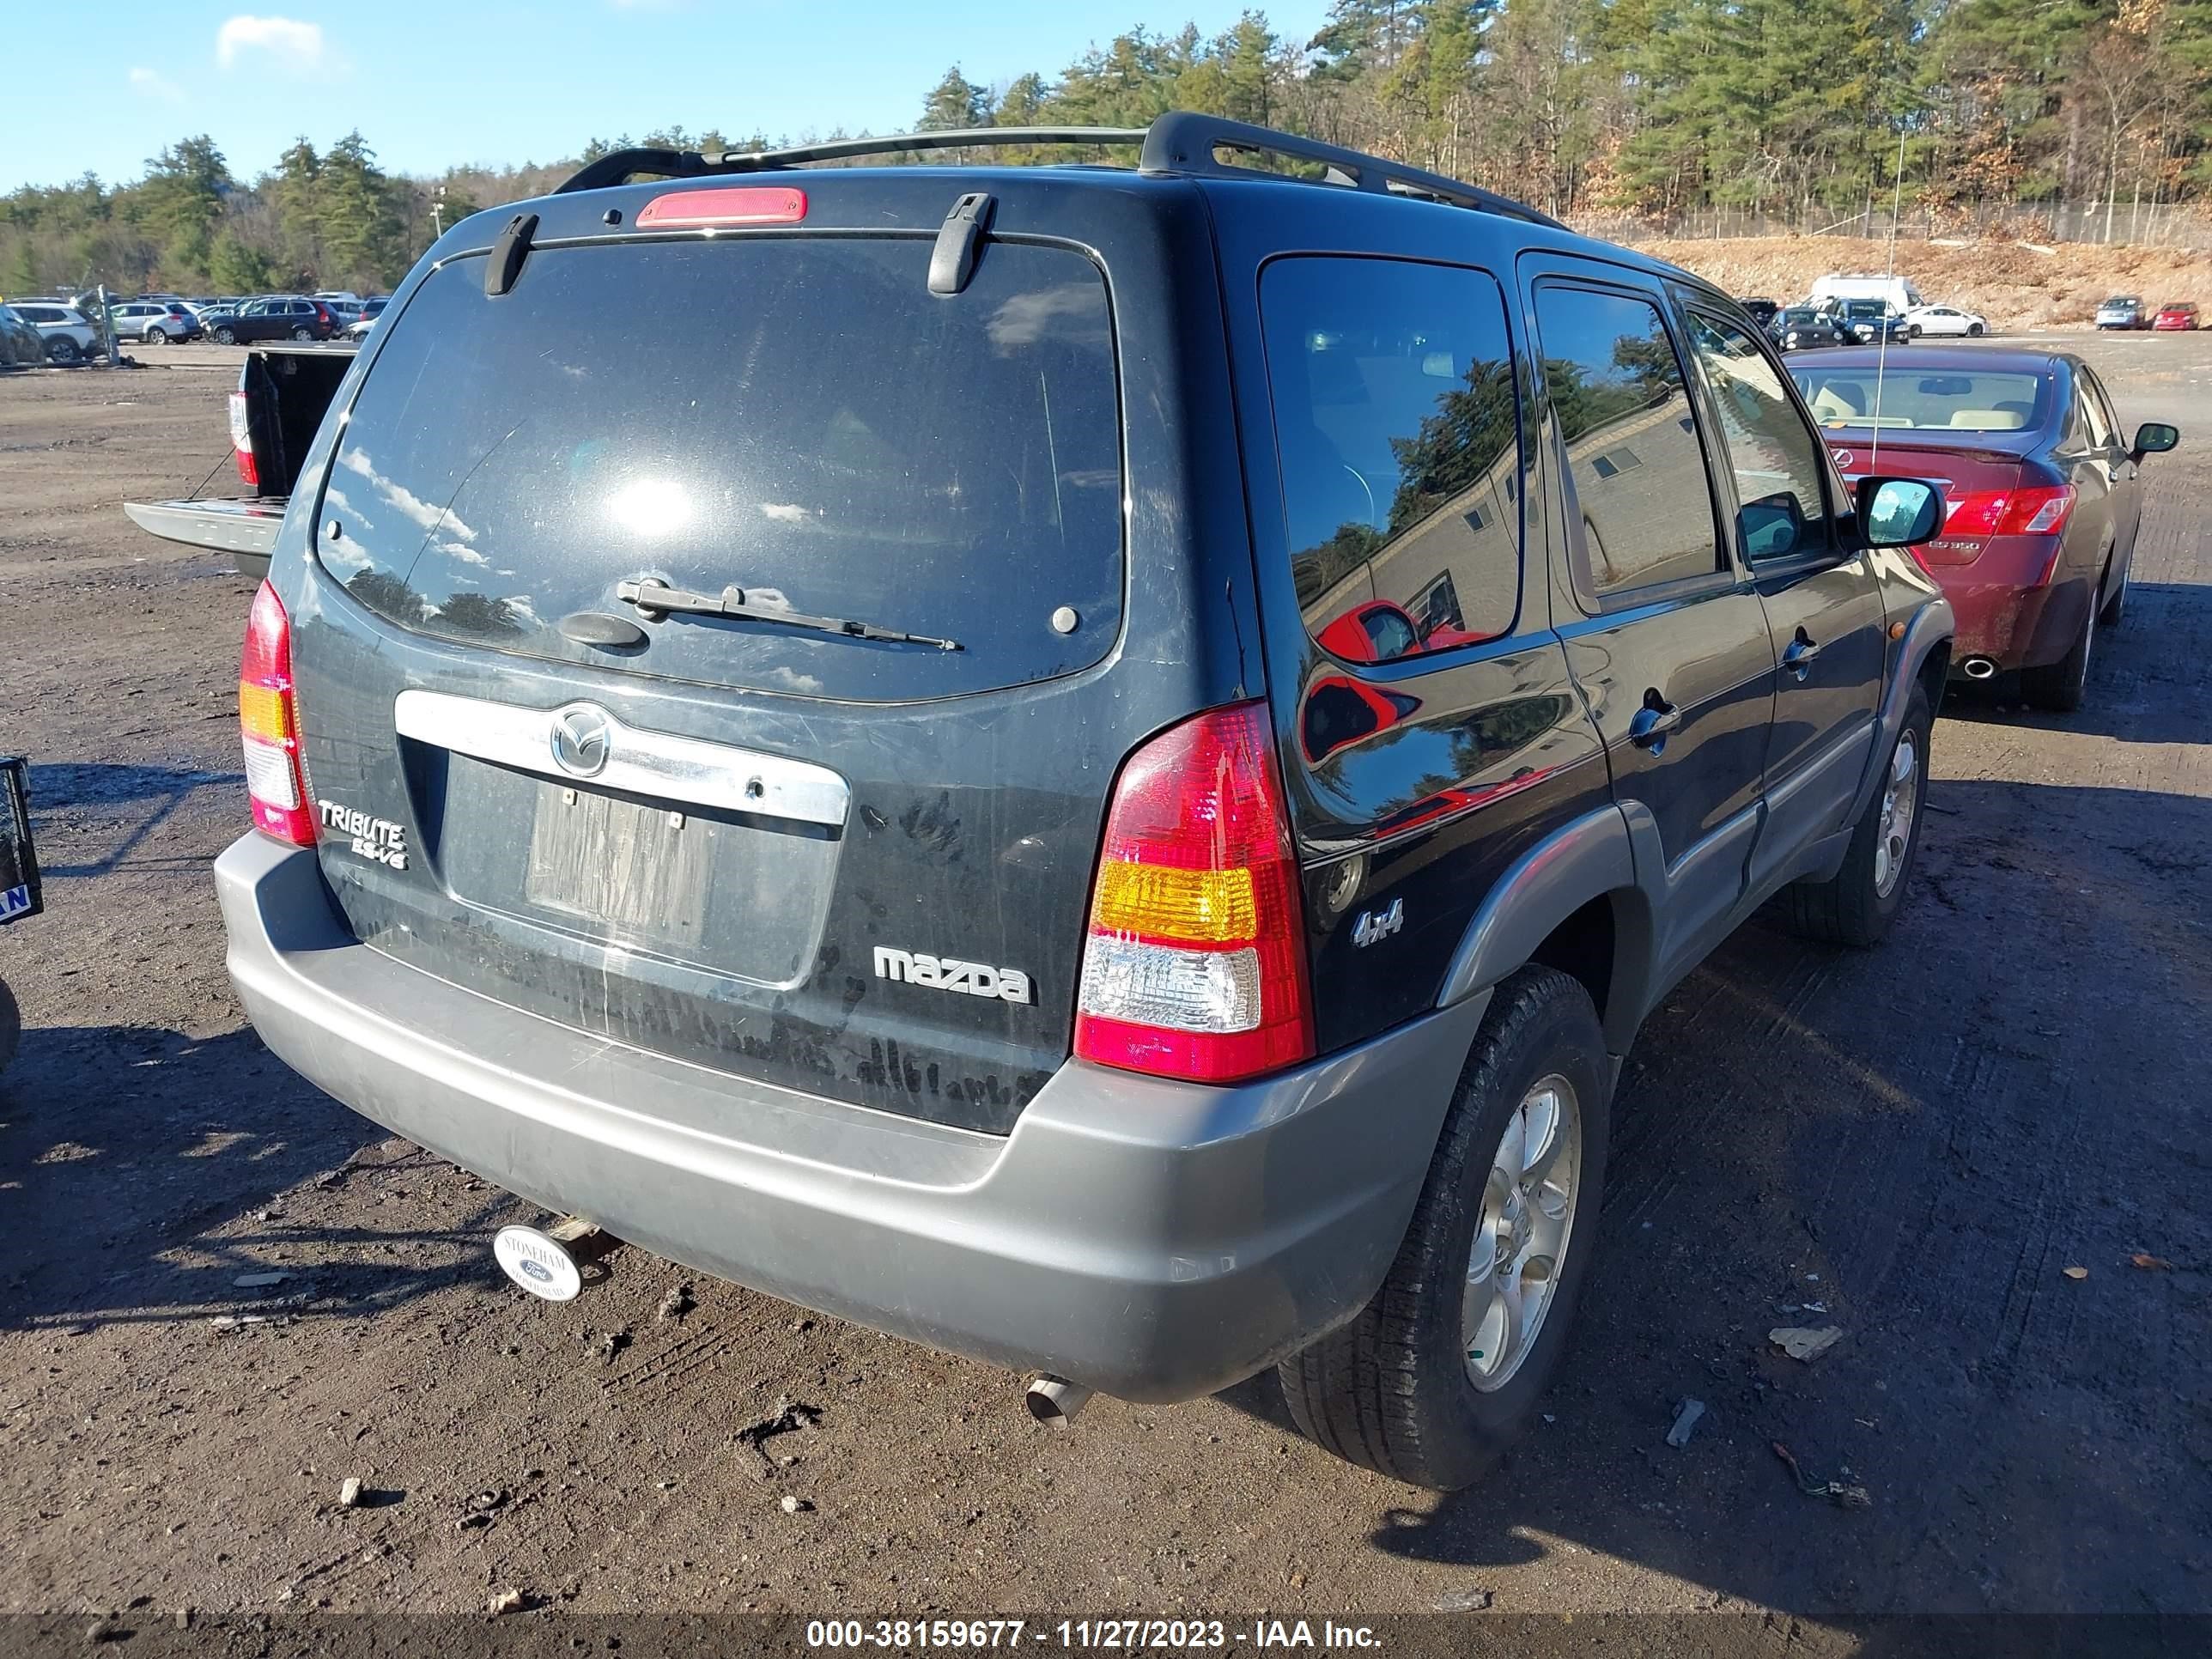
point(495, 81)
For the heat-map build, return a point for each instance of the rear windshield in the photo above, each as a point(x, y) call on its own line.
point(798, 417)
point(1908, 396)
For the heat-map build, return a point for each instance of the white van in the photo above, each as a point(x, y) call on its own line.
point(1834, 290)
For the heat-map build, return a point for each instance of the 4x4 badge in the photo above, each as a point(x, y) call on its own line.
point(1373, 924)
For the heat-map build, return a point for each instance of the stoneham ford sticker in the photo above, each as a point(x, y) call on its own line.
point(950, 974)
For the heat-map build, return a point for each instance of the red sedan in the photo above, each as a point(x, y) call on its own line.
point(2042, 499)
point(2181, 315)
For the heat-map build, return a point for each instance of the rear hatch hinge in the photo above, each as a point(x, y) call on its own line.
point(508, 252)
point(959, 239)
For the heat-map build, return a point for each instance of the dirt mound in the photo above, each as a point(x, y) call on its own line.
point(2014, 284)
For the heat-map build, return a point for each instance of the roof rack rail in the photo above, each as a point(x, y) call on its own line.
point(1179, 141)
point(619, 167)
point(1184, 141)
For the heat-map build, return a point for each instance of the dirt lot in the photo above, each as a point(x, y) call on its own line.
point(1924, 1139)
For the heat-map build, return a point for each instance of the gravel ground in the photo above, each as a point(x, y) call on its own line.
point(1924, 1139)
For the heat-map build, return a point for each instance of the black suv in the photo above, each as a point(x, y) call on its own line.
point(275, 317)
point(1100, 780)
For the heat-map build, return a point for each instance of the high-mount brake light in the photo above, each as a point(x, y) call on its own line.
point(269, 724)
point(1196, 965)
point(242, 440)
point(688, 209)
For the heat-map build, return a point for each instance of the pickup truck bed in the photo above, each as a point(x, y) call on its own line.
point(284, 389)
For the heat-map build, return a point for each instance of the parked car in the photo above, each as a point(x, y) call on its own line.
point(1802, 328)
point(2042, 496)
point(1867, 321)
point(1761, 311)
point(370, 311)
point(154, 322)
point(284, 389)
point(2123, 311)
point(274, 317)
point(69, 339)
point(1942, 320)
point(22, 345)
point(1114, 1034)
point(1898, 293)
point(2181, 315)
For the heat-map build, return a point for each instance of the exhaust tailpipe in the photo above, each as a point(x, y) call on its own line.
point(1978, 668)
point(1055, 1401)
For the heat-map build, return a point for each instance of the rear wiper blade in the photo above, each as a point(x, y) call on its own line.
point(656, 599)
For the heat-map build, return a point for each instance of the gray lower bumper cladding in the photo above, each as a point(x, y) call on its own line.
point(1149, 1239)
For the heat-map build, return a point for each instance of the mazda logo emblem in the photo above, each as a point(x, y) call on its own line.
point(582, 736)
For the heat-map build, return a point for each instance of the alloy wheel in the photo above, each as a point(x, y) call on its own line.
point(1900, 800)
point(1524, 1233)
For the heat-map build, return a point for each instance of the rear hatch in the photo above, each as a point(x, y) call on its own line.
point(854, 866)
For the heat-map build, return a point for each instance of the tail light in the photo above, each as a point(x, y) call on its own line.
point(242, 440)
point(268, 720)
point(1196, 965)
point(2037, 512)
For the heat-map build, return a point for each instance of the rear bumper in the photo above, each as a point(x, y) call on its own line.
point(1149, 1239)
point(2006, 612)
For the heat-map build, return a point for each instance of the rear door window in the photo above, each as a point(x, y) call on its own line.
point(795, 417)
point(1398, 430)
point(1617, 391)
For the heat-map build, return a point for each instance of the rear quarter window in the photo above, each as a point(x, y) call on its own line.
point(1397, 426)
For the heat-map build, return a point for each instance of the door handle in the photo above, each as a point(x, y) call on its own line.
point(1802, 651)
point(1652, 722)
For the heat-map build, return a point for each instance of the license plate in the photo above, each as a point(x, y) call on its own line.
point(19, 863)
point(619, 863)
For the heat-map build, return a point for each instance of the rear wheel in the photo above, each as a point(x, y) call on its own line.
point(303, 332)
point(1435, 1377)
point(63, 349)
point(2060, 686)
point(154, 336)
point(1857, 904)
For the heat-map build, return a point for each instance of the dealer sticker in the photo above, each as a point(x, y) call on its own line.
point(15, 901)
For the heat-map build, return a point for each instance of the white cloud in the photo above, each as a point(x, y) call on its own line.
point(147, 84)
point(297, 46)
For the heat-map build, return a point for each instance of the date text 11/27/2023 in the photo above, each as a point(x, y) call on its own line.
point(1087, 1634)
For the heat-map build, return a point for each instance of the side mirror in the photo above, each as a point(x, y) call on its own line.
point(2155, 438)
point(1771, 527)
point(1897, 512)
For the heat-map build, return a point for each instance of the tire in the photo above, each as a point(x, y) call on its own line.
point(2117, 606)
point(2060, 686)
point(303, 334)
point(1857, 904)
point(1974, 329)
point(1912, 332)
point(154, 336)
point(63, 350)
point(1396, 1390)
point(225, 336)
point(11, 1025)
